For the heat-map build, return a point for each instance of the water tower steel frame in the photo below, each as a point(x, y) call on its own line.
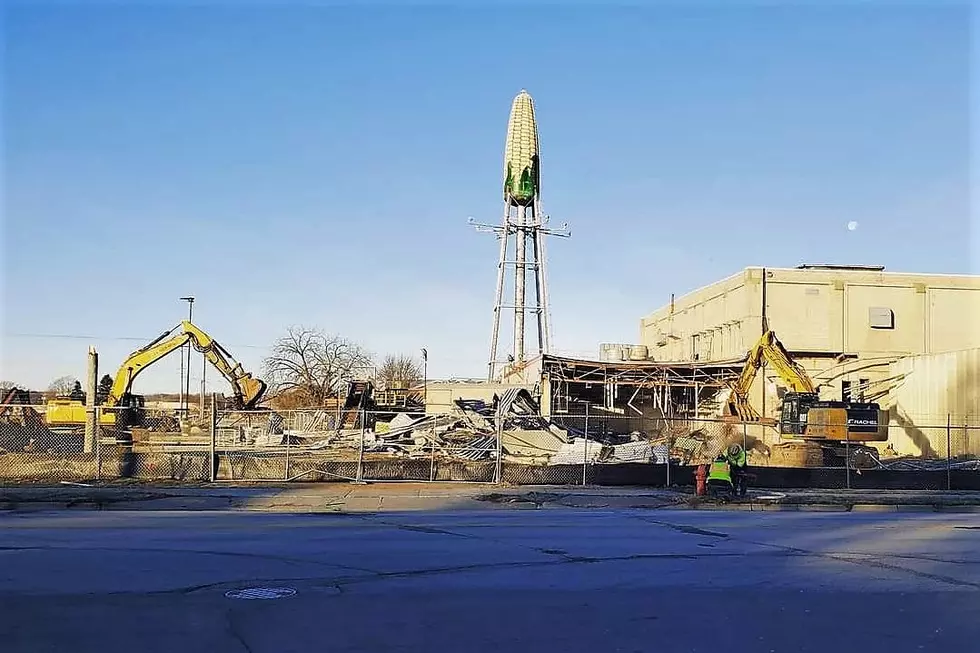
point(523, 220)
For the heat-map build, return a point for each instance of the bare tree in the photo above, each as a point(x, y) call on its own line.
point(7, 385)
point(62, 386)
point(310, 365)
point(399, 369)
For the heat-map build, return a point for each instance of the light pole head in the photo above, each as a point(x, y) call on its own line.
point(190, 313)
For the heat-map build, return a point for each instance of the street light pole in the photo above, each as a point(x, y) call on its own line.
point(186, 389)
point(425, 377)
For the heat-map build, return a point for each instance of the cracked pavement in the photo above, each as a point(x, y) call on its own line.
point(568, 580)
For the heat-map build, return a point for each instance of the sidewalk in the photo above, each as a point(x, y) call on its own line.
point(328, 497)
point(397, 497)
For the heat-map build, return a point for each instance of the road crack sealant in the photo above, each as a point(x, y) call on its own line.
point(861, 559)
point(340, 583)
point(683, 528)
point(872, 560)
point(561, 557)
point(237, 554)
point(232, 629)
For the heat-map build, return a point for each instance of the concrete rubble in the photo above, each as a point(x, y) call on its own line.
point(469, 432)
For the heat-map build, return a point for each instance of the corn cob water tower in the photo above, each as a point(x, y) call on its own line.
point(521, 235)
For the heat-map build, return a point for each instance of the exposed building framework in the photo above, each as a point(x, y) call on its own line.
point(671, 385)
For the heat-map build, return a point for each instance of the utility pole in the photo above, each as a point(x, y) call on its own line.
point(91, 412)
point(185, 389)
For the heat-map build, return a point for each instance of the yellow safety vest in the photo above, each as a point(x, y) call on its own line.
point(739, 460)
point(720, 471)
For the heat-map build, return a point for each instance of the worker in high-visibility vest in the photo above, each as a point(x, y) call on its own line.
point(737, 461)
point(720, 470)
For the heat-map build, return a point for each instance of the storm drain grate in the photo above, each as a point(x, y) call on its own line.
point(260, 593)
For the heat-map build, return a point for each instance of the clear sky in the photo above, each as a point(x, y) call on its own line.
point(297, 164)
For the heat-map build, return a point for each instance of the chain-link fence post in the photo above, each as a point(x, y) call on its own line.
point(847, 457)
point(213, 427)
point(585, 449)
point(498, 472)
point(285, 434)
point(360, 449)
point(745, 452)
point(949, 454)
point(432, 456)
point(98, 443)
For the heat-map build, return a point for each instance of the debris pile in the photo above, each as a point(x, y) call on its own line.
point(910, 464)
point(469, 432)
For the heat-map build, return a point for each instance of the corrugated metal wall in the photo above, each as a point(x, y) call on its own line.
point(927, 390)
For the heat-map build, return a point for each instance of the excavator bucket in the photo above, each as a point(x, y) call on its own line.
point(252, 391)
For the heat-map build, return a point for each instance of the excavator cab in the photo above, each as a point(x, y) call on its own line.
point(796, 407)
point(805, 414)
point(130, 410)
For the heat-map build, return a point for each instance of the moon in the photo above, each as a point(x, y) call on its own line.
point(852, 225)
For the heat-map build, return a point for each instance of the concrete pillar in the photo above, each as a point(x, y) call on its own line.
point(91, 387)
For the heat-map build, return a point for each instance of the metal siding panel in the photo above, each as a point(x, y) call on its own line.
point(936, 386)
point(954, 317)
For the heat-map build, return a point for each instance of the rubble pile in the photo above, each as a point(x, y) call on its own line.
point(470, 433)
point(910, 464)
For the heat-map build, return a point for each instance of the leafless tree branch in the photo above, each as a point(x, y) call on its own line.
point(399, 369)
point(311, 365)
point(63, 385)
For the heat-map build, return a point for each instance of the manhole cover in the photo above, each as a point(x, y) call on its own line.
point(776, 496)
point(260, 593)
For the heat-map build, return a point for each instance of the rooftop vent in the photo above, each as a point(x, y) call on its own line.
point(827, 266)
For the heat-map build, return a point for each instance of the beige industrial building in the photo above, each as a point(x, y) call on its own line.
point(850, 327)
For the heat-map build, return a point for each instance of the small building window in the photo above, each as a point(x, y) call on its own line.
point(845, 390)
point(880, 317)
point(863, 388)
point(695, 347)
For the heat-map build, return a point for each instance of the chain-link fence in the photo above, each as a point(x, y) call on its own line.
point(506, 443)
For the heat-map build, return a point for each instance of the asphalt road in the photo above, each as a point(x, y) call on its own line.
point(560, 580)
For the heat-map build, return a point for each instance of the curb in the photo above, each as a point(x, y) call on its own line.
point(286, 500)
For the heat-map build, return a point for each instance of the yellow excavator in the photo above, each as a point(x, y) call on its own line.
point(838, 428)
point(127, 409)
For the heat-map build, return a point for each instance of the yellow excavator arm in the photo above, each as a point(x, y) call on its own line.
point(771, 350)
point(248, 390)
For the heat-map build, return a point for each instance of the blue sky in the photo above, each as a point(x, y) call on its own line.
point(315, 165)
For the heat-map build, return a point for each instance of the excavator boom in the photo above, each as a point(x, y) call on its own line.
point(248, 390)
point(771, 350)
